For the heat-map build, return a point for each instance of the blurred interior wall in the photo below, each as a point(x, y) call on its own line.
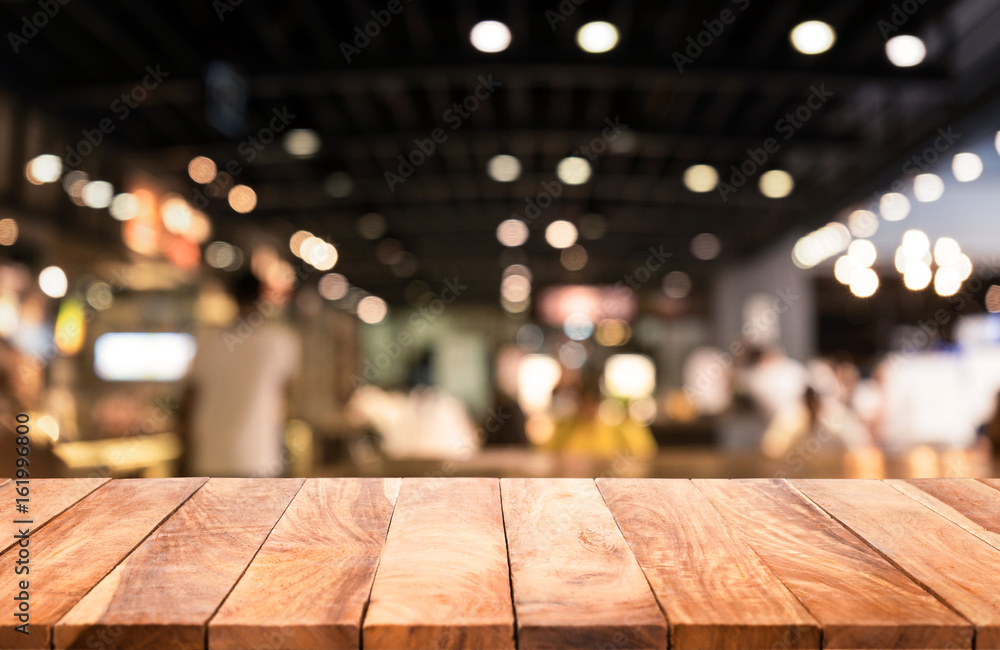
point(780, 297)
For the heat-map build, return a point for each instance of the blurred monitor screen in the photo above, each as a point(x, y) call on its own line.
point(138, 356)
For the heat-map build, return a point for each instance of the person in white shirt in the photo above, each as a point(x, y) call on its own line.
point(236, 396)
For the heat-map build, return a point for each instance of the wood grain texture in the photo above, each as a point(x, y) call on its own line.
point(576, 583)
point(714, 589)
point(308, 585)
point(959, 568)
point(164, 593)
point(991, 482)
point(969, 503)
point(50, 497)
point(79, 547)
point(443, 581)
point(858, 597)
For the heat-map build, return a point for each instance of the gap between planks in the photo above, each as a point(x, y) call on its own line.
point(208, 621)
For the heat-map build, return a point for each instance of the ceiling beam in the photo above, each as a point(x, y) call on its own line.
point(598, 77)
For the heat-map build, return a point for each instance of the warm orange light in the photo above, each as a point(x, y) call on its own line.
point(202, 170)
point(242, 199)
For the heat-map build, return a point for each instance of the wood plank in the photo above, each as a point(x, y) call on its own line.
point(79, 547)
point(443, 581)
point(164, 592)
point(576, 583)
point(714, 589)
point(969, 503)
point(308, 586)
point(859, 598)
point(958, 567)
point(49, 498)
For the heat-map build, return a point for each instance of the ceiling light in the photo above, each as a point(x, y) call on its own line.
point(864, 283)
point(372, 310)
point(573, 170)
point(597, 37)
point(333, 286)
point(99, 296)
point(813, 37)
point(124, 206)
point(947, 281)
point(862, 253)
point(503, 168)
point(176, 214)
point(705, 246)
point(52, 281)
point(512, 232)
point(44, 169)
point(307, 245)
point(242, 199)
point(322, 257)
point(905, 51)
point(97, 194)
point(701, 178)
point(966, 167)
point(928, 187)
point(844, 269)
point(776, 184)
point(202, 170)
point(993, 299)
point(490, 36)
point(8, 232)
point(302, 143)
point(901, 260)
point(894, 206)
point(862, 223)
point(296, 240)
point(517, 269)
point(915, 244)
point(963, 265)
point(560, 234)
point(200, 228)
point(917, 276)
point(807, 252)
point(946, 250)
point(677, 284)
point(222, 255)
point(573, 258)
point(515, 288)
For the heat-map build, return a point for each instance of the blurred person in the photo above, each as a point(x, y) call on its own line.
point(819, 420)
point(775, 381)
point(236, 397)
point(588, 433)
point(988, 439)
point(507, 425)
point(708, 380)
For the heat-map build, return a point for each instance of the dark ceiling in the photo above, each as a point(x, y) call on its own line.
point(553, 99)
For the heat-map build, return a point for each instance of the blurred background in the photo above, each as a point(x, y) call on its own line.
point(564, 238)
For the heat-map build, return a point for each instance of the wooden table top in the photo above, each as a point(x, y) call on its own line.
point(491, 563)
